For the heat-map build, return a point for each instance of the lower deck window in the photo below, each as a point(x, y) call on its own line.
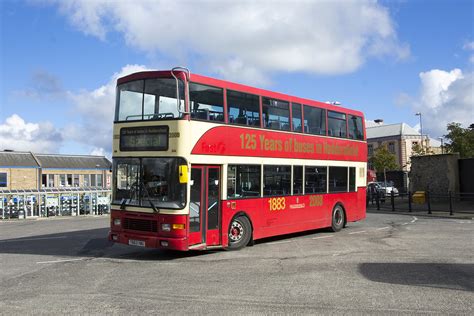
point(243, 181)
point(277, 180)
point(337, 179)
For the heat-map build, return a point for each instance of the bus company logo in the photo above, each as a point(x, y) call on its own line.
point(218, 148)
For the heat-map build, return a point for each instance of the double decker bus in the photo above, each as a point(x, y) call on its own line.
point(200, 163)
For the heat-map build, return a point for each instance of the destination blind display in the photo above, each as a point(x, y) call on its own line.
point(154, 138)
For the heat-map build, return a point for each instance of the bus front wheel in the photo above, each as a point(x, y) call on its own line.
point(338, 218)
point(240, 232)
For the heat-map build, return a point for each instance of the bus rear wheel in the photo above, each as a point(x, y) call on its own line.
point(240, 232)
point(338, 218)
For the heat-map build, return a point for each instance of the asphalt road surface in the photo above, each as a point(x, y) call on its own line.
point(387, 264)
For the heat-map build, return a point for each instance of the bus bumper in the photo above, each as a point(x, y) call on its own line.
point(147, 241)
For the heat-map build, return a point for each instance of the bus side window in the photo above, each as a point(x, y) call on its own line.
point(207, 103)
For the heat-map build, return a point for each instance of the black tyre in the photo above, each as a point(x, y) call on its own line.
point(240, 232)
point(338, 218)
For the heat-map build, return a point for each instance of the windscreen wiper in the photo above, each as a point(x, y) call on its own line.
point(155, 209)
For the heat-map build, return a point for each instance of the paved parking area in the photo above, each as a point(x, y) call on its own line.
point(387, 264)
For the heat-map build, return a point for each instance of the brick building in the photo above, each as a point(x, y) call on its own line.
point(47, 185)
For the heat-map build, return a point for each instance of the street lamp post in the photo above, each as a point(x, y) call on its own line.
point(421, 129)
point(442, 143)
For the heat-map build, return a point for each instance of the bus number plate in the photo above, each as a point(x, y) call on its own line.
point(139, 243)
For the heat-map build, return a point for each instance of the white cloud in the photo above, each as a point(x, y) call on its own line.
point(470, 47)
point(95, 110)
point(252, 37)
point(16, 134)
point(445, 96)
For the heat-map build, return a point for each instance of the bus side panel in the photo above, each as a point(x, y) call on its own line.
point(271, 216)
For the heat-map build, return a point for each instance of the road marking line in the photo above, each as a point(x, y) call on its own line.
point(381, 228)
point(33, 239)
point(279, 242)
point(321, 237)
point(405, 223)
point(360, 232)
point(57, 261)
point(414, 219)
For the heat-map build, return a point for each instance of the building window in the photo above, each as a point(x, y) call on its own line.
point(276, 114)
point(69, 180)
point(207, 103)
point(62, 180)
point(75, 180)
point(243, 108)
point(99, 181)
point(243, 181)
point(86, 180)
point(50, 180)
point(370, 149)
point(93, 182)
point(391, 147)
point(277, 180)
point(3, 179)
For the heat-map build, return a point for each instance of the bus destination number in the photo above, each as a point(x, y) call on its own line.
point(315, 200)
point(248, 141)
point(277, 204)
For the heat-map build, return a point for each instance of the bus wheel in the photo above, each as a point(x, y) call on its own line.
point(240, 232)
point(338, 218)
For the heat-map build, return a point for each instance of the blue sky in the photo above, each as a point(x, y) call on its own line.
point(60, 59)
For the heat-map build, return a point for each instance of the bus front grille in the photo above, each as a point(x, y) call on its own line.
point(143, 225)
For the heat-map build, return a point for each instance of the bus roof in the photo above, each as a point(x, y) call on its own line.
point(239, 87)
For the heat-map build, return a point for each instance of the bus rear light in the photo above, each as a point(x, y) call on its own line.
point(178, 226)
point(166, 227)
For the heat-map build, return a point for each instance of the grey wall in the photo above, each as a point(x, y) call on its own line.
point(436, 173)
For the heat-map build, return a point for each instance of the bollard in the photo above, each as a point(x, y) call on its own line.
point(428, 201)
point(409, 201)
point(377, 200)
point(392, 200)
point(450, 204)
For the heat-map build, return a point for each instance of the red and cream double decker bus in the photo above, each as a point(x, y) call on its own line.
point(201, 163)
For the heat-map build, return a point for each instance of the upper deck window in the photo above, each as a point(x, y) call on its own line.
point(296, 117)
point(337, 125)
point(276, 114)
point(355, 127)
point(314, 120)
point(243, 108)
point(207, 103)
point(150, 99)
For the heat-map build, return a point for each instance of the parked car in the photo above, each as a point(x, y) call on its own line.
point(388, 188)
point(374, 188)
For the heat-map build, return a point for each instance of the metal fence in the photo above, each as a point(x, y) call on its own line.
point(21, 204)
point(424, 201)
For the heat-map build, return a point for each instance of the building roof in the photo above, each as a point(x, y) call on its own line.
point(17, 159)
point(26, 159)
point(398, 129)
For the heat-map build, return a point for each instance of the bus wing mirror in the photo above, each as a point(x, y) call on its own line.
point(183, 174)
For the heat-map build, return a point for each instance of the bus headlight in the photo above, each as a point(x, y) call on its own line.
point(117, 221)
point(166, 227)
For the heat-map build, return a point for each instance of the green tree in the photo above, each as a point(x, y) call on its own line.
point(384, 160)
point(460, 140)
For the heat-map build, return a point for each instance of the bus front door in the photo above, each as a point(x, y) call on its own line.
point(204, 213)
